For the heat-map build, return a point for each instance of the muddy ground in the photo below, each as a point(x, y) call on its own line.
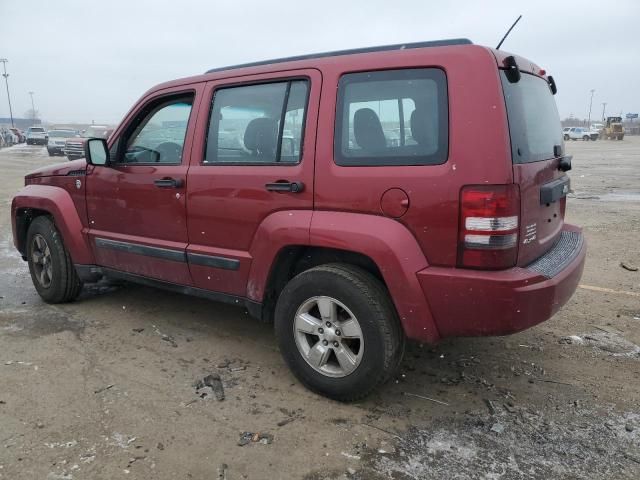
point(103, 388)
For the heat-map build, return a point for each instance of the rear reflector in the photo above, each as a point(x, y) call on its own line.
point(489, 219)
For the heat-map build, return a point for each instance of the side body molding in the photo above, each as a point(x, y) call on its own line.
point(396, 253)
point(57, 202)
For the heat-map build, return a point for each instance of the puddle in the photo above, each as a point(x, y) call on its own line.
point(37, 322)
point(620, 197)
point(607, 197)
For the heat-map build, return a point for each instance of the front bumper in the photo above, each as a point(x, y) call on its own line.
point(479, 303)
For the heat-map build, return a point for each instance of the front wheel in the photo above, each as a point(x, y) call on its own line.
point(50, 265)
point(585, 138)
point(338, 331)
point(566, 137)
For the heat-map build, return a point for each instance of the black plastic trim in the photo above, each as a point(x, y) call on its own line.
point(354, 51)
point(213, 261)
point(555, 190)
point(254, 308)
point(156, 252)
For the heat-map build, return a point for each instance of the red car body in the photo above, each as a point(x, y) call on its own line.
point(404, 220)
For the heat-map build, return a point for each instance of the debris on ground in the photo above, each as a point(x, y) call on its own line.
point(490, 406)
point(251, 437)
point(100, 390)
point(571, 339)
point(628, 266)
point(222, 471)
point(138, 330)
point(425, 398)
point(497, 427)
point(212, 381)
point(170, 340)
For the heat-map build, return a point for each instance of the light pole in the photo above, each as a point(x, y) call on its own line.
point(33, 108)
point(604, 105)
point(6, 81)
point(590, 105)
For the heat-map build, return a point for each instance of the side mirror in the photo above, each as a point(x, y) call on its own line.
point(96, 151)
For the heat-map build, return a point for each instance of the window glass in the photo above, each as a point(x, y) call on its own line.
point(257, 124)
point(396, 117)
point(534, 123)
point(159, 138)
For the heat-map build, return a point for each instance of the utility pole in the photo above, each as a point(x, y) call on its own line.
point(6, 81)
point(590, 105)
point(33, 109)
point(604, 105)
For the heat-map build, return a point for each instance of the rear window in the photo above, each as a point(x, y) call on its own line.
point(36, 129)
point(392, 117)
point(534, 123)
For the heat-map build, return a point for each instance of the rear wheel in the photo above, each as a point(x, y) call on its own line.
point(338, 331)
point(50, 265)
point(585, 138)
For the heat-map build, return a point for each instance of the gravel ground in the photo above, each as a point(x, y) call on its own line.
point(106, 387)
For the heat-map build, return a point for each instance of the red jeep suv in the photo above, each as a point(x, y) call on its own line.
point(356, 199)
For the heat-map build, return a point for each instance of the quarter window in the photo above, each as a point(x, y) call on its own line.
point(257, 124)
point(159, 137)
point(394, 117)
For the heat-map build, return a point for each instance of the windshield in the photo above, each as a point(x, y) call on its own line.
point(95, 132)
point(61, 133)
point(36, 129)
point(534, 123)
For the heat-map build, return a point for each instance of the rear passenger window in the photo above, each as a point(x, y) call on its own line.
point(393, 117)
point(257, 124)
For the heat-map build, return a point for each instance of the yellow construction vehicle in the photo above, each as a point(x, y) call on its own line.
point(613, 129)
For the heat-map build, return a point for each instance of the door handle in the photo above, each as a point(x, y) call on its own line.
point(293, 187)
point(168, 183)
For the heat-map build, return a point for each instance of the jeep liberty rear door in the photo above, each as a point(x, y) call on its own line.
point(536, 144)
point(251, 175)
point(136, 205)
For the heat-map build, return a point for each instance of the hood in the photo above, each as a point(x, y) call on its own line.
point(76, 140)
point(59, 169)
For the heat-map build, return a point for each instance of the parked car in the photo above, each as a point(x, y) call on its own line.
point(74, 147)
point(57, 140)
point(20, 134)
point(349, 238)
point(579, 133)
point(7, 137)
point(36, 136)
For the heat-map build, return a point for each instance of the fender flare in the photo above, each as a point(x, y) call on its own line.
point(57, 202)
point(396, 253)
point(388, 243)
point(276, 231)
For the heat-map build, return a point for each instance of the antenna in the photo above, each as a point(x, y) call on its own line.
point(508, 32)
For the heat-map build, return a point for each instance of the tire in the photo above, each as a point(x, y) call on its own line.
point(359, 295)
point(585, 138)
point(566, 137)
point(51, 154)
point(63, 284)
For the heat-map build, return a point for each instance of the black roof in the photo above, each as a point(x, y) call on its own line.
point(382, 48)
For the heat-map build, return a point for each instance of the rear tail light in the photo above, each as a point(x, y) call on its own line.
point(489, 221)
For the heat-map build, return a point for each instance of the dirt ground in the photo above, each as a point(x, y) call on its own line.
point(103, 388)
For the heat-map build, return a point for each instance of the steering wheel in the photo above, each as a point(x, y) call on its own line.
point(169, 152)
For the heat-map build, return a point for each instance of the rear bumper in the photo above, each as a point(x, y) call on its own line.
point(479, 303)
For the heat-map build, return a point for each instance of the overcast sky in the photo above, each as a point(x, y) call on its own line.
point(90, 60)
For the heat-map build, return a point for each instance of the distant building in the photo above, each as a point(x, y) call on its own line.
point(21, 123)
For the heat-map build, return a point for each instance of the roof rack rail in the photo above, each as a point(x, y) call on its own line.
point(382, 48)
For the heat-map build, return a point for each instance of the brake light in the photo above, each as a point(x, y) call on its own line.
point(489, 221)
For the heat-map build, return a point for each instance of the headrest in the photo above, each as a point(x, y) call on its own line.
point(422, 127)
point(367, 130)
point(261, 137)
